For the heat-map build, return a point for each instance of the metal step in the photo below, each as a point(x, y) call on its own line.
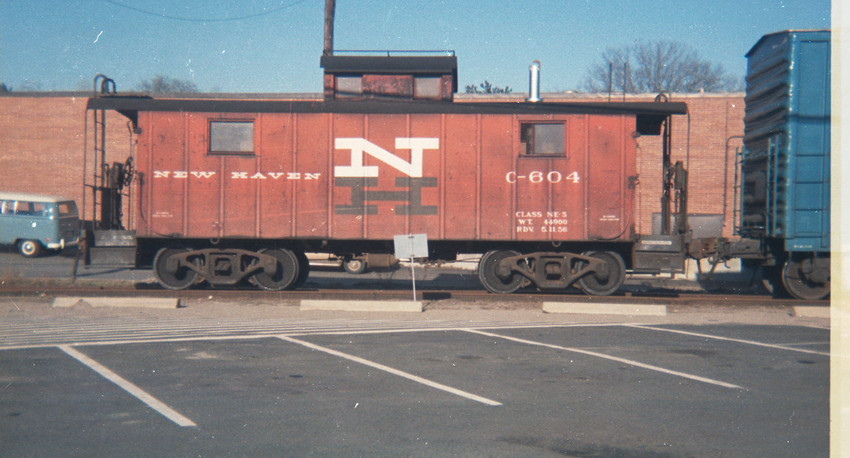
point(111, 256)
point(112, 248)
point(114, 238)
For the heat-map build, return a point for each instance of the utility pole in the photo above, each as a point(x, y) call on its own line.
point(330, 6)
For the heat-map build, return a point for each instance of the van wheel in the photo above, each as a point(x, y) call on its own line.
point(354, 266)
point(29, 248)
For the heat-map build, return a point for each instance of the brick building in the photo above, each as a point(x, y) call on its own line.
point(42, 140)
point(43, 137)
point(706, 141)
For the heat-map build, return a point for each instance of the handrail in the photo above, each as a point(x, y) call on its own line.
point(389, 52)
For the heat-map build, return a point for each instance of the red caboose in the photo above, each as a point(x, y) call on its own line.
point(234, 189)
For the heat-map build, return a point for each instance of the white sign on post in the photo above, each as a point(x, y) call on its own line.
point(411, 246)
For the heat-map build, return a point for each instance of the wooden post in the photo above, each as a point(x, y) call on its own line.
point(330, 5)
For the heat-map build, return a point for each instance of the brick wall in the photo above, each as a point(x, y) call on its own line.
point(707, 146)
point(700, 142)
point(43, 136)
point(42, 140)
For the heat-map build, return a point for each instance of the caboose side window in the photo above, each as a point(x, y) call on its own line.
point(542, 139)
point(231, 137)
point(349, 86)
point(427, 87)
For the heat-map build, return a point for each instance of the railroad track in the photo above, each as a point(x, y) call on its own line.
point(434, 297)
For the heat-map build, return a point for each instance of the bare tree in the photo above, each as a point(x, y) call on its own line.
point(165, 85)
point(652, 67)
point(487, 88)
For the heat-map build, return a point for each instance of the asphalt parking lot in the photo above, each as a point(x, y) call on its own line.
point(404, 388)
point(253, 378)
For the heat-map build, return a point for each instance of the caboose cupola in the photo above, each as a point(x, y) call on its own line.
point(429, 75)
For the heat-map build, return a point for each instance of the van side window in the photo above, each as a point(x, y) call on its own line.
point(30, 208)
point(38, 209)
point(542, 139)
point(23, 208)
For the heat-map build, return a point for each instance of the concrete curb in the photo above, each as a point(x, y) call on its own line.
point(604, 308)
point(810, 312)
point(362, 306)
point(146, 302)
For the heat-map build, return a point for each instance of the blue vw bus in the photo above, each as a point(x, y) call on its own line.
point(35, 223)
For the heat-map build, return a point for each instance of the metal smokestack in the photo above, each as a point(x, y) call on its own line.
point(330, 5)
point(534, 82)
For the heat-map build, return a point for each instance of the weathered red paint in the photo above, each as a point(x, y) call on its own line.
point(475, 185)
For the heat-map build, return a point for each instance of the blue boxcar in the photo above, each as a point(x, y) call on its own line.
point(785, 165)
point(786, 140)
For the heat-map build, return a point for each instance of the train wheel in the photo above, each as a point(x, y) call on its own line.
point(798, 285)
point(286, 275)
point(183, 278)
point(604, 283)
point(493, 281)
point(29, 248)
point(303, 269)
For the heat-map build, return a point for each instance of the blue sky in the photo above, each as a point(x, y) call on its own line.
point(62, 44)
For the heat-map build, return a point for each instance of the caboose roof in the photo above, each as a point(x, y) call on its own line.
point(382, 106)
point(407, 65)
point(649, 115)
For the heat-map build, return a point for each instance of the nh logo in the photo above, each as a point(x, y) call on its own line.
point(358, 146)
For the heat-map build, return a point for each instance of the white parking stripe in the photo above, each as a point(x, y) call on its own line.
point(127, 386)
point(28, 332)
point(397, 372)
point(729, 339)
point(612, 358)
